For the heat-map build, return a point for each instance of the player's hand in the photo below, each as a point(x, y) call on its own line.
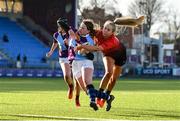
point(48, 54)
point(77, 48)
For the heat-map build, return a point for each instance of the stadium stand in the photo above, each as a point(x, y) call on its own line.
point(24, 43)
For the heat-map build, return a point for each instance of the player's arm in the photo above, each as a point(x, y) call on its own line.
point(107, 45)
point(53, 47)
point(89, 48)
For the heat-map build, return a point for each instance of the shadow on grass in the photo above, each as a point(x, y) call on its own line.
point(134, 112)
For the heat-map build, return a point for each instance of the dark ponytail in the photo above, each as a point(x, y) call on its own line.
point(90, 26)
point(63, 23)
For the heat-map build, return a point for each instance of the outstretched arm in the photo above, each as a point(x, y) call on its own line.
point(89, 48)
point(53, 47)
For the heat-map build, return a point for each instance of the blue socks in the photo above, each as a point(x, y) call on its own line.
point(91, 92)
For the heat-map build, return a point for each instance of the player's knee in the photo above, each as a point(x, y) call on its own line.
point(67, 77)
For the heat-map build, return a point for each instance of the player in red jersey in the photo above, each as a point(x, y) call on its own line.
point(114, 56)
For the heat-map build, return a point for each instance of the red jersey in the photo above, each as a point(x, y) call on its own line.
point(109, 44)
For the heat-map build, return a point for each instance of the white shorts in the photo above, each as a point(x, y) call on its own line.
point(78, 65)
point(63, 60)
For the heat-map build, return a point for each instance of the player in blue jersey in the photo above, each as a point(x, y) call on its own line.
point(61, 40)
point(82, 65)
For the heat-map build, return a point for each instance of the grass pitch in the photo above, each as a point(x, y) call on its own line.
point(46, 99)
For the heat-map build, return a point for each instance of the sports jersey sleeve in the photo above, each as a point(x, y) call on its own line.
point(55, 35)
point(90, 40)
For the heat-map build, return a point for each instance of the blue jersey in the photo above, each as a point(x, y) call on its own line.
point(59, 38)
point(87, 40)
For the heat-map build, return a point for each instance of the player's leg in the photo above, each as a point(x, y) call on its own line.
point(87, 75)
point(76, 70)
point(67, 77)
point(116, 72)
point(77, 93)
point(81, 84)
point(108, 64)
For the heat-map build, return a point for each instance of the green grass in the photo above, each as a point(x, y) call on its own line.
point(46, 99)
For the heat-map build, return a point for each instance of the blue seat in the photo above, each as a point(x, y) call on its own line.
point(22, 42)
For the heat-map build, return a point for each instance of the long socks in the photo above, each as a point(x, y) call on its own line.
point(91, 92)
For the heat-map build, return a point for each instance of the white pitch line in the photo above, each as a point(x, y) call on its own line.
point(62, 118)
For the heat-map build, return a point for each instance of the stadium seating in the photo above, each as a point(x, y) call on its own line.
point(22, 42)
